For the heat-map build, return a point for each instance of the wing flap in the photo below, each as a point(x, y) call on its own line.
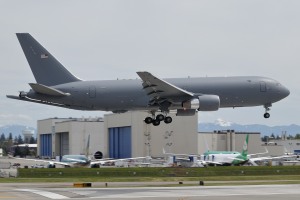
point(161, 90)
point(43, 89)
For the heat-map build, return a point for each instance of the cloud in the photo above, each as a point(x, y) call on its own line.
point(223, 122)
point(8, 119)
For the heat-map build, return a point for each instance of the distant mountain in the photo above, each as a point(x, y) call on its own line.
point(263, 129)
point(15, 130)
point(202, 127)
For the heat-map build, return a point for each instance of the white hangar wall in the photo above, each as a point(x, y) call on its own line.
point(229, 141)
point(126, 135)
point(180, 136)
point(118, 135)
point(62, 136)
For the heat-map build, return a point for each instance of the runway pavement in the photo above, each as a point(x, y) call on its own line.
point(59, 191)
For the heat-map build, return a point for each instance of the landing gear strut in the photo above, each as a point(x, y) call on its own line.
point(267, 115)
point(156, 120)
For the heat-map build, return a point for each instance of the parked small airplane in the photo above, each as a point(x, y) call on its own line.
point(56, 86)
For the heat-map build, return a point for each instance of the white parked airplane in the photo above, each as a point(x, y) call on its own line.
point(72, 160)
point(229, 157)
point(86, 161)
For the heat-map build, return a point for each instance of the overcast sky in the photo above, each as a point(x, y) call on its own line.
point(116, 38)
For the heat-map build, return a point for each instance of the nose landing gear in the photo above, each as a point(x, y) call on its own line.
point(267, 108)
point(266, 115)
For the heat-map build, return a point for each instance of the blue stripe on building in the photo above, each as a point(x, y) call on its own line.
point(46, 145)
point(296, 152)
point(120, 142)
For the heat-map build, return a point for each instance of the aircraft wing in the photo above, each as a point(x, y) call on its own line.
point(104, 161)
point(271, 158)
point(51, 162)
point(259, 153)
point(239, 159)
point(60, 163)
point(211, 162)
point(260, 159)
point(75, 160)
point(159, 90)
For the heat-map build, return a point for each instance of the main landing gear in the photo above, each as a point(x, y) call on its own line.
point(267, 115)
point(156, 120)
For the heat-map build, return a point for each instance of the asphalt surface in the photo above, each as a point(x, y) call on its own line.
point(67, 191)
point(140, 190)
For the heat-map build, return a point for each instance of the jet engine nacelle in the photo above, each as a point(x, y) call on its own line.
point(203, 103)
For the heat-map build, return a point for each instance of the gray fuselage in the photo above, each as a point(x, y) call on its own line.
point(124, 95)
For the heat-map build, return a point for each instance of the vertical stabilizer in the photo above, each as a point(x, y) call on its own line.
point(245, 147)
point(87, 150)
point(45, 68)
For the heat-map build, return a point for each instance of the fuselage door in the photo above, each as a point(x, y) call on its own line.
point(263, 86)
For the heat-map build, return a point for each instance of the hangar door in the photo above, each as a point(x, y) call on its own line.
point(46, 145)
point(120, 142)
point(64, 143)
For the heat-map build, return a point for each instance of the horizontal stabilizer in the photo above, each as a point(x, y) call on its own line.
point(13, 97)
point(39, 88)
point(41, 102)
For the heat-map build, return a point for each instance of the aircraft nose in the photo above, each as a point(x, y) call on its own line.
point(285, 92)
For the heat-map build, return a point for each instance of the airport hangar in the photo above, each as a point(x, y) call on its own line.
point(126, 135)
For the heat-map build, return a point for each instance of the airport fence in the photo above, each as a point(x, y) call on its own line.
point(157, 172)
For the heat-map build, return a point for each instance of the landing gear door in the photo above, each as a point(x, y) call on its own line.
point(263, 86)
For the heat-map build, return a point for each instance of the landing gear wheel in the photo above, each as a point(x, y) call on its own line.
point(156, 122)
point(266, 115)
point(148, 120)
point(168, 120)
point(160, 117)
point(267, 108)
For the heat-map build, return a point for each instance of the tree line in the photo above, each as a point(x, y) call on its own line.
point(278, 137)
point(6, 143)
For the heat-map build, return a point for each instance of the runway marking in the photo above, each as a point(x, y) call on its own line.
point(49, 195)
point(176, 196)
point(162, 192)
